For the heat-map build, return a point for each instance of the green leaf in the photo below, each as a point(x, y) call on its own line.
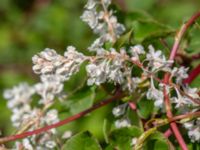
point(161, 145)
point(81, 100)
point(138, 4)
point(124, 39)
point(77, 81)
point(145, 30)
point(121, 138)
point(145, 108)
point(106, 128)
point(157, 141)
point(82, 141)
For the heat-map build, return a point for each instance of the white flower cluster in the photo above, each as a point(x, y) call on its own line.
point(28, 118)
point(182, 101)
point(54, 69)
point(111, 66)
point(43, 142)
point(49, 62)
point(19, 100)
point(120, 111)
point(193, 128)
point(157, 61)
point(102, 22)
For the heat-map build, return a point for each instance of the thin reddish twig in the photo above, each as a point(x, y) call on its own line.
point(173, 53)
point(118, 95)
point(168, 133)
point(187, 115)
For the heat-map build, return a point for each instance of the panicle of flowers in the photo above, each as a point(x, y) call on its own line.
point(19, 100)
point(49, 87)
point(25, 117)
point(49, 62)
point(111, 66)
point(102, 22)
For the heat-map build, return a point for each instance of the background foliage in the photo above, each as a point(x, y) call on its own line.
point(27, 27)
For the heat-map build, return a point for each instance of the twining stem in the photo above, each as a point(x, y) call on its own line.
point(167, 77)
point(117, 95)
point(181, 33)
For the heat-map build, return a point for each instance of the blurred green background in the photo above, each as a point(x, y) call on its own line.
point(29, 26)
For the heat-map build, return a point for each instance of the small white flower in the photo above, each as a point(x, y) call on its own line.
point(51, 117)
point(91, 4)
point(124, 122)
point(50, 144)
point(67, 135)
point(119, 110)
point(90, 17)
point(136, 51)
point(179, 74)
point(106, 2)
point(27, 145)
point(155, 94)
point(134, 141)
point(157, 60)
point(193, 128)
point(50, 87)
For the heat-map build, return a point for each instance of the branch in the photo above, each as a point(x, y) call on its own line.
point(117, 95)
point(167, 77)
point(181, 33)
point(187, 115)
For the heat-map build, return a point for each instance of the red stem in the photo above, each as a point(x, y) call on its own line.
point(168, 133)
point(192, 75)
point(118, 95)
point(181, 33)
point(197, 56)
point(173, 125)
point(173, 53)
